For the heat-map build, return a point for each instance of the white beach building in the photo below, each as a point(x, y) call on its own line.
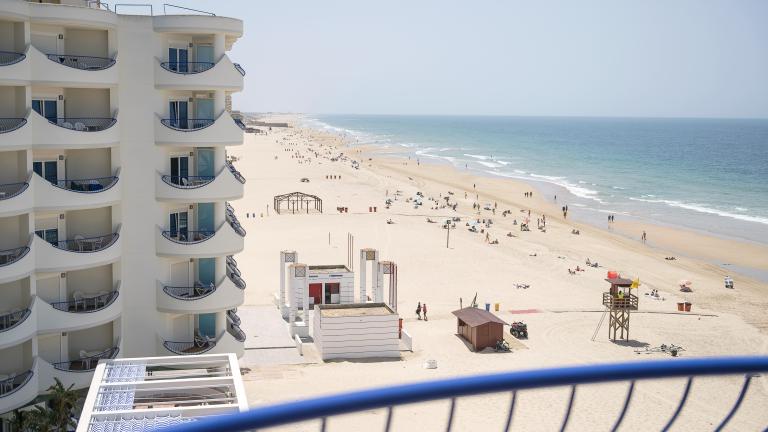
point(361, 330)
point(141, 394)
point(116, 235)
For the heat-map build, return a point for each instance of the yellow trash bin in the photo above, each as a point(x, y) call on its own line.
point(496, 307)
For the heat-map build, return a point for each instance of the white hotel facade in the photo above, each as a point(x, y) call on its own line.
point(116, 235)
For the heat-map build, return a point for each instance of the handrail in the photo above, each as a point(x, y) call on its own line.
point(10, 190)
point(187, 68)
point(231, 260)
point(185, 8)
point(10, 256)
point(87, 244)
point(232, 315)
point(86, 63)
point(187, 125)
point(239, 68)
point(92, 185)
point(86, 364)
point(193, 347)
point(452, 388)
point(151, 11)
point(188, 237)
point(12, 319)
point(235, 172)
point(73, 306)
point(237, 280)
point(14, 383)
point(10, 124)
point(84, 124)
point(236, 332)
point(8, 58)
point(234, 222)
point(240, 124)
point(187, 182)
point(233, 269)
point(189, 293)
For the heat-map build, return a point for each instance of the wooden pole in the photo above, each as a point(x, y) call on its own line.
point(447, 236)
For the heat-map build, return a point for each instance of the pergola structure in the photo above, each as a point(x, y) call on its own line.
point(298, 201)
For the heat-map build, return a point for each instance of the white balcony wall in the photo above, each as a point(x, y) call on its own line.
point(19, 139)
point(198, 24)
point(226, 343)
point(222, 75)
point(53, 259)
point(223, 132)
point(25, 394)
point(46, 372)
point(46, 72)
point(224, 187)
point(224, 242)
point(52, 320)
point(21, 203)
point(226, 296)
point(17, 74)
point(42, 134)
point(24, 331)
point(21, 268)
point(49, 197)
point(83, 16)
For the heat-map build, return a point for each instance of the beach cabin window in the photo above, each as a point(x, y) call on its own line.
point(48, 170)
point(47, 108)
point(178, 225)
point(178, 59)
point(179, 170)
point(179, 110)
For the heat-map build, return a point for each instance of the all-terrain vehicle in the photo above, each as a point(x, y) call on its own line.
point(519, 330)
point(501, 346)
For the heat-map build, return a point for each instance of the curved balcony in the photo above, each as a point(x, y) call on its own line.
point(221, 132)
point(87, 361)
point(197, 24)
point(232, 219)
point(236, 332)
point(235, 172)
point(199, 244)
point(62, 70)
point(16, 198)
point(224, 186)
point(8, 58)
point(224, 343)
point(17, 390)
point(198, 76)
point(199, 298)
point(83, 311)
point(239, 68)
point(10, 124)
point(227, 343)
point(74, 194)
point(14, 68)
point(233, 317)
point(15, 132)
point(17, 263)
point(77, 253)
point(69, 133)
point(18, 325)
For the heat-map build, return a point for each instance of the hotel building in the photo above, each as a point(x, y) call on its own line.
point(116, 232)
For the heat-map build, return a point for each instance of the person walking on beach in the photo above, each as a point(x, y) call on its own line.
point(424, 309)
point(644, 237)
point(418, 310)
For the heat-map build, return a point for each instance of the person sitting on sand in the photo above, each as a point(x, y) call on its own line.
point(571, 272)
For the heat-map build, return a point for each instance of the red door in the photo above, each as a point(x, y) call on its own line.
point(316, 292)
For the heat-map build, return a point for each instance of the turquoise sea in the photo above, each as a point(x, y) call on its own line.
point(709, 175)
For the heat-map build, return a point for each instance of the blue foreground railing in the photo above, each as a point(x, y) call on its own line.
point(452, 388)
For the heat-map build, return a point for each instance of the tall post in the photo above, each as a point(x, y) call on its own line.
point(363, 294)
point(447, 236)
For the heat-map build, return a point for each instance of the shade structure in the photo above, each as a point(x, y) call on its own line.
point(298, 202)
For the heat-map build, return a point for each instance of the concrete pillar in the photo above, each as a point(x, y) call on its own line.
point(219, 157)
point(363, 263)
point(221, 269)
point(299, 293)
point(221, 323)
point(378, 292)
point(291, 297)
point(286, 257)
point(219, 214)
point(219, 102)
point(219, 46)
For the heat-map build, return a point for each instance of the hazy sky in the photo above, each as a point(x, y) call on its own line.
point(665, 58)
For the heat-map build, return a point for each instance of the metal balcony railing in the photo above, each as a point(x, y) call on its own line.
point(86, 363)
point(240, 124)
point(190, 293)
point(237, 280)
point(236, 173)
point(8, 58)
point(87, 244)
point(84, 124)
point(233, 317)
point(234, 222)
point(187, 182)
point(9, 385)
point(231, 260)
point(10, 256)
point(10, 124)
point(9, 320)
point(187, 68)
point(10, 190)
point(188, 237)
point(92, 185)
point(86, 63)
point(239, 68)
point(232, 269)
point(236, 332)
point(187, 125)
point(198, 346)
point(451, 389)
point(86, 303)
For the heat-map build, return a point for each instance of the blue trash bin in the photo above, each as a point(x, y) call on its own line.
point(487, 307)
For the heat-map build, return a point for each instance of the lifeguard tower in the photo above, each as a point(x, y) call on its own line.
point(619, 302)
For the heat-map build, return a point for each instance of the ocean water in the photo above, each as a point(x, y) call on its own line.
point(709, 175)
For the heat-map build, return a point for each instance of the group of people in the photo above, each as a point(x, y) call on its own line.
point(565, 211)
point(421, 310)
point(529, 194)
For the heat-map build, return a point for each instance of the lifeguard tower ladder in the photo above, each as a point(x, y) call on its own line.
point(619, 302)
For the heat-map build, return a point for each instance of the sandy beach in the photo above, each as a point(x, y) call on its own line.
point(562, 310)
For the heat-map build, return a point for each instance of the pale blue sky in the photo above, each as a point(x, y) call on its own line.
point(658, 58)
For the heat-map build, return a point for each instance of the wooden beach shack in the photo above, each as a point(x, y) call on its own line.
point(479, 327)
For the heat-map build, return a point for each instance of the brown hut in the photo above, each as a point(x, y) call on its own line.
point(479, 327)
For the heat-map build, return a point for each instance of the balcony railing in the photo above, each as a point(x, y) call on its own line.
point(11, 384)
point(237, 280)
point(186, 125)
point(84, 124)
point(232, 316)
point(187, 182)
point(233, 269)
point(86, 303)
point(230, 259)
point(9, 320)
point(87, 63)
point(239, 68)
point(234, 222)
point(8, 58)
point(92, 185)
point(10, 190)
point(198, 346)
point(10, 124)
point(240, 124)
point(87, 244)
point(87, 362)
point(10, 256)
point(451, 389)
point(614, 301)
point(188, 237)
point(236, 173)
point(236, 332)
point(187, 68)
point(190, 293)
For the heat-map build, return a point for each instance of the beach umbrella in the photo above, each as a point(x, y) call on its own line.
point(685, 283)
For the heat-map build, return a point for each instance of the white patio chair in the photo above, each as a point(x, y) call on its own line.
point(79, 241)
point(67, 125)
point(80, 126)
point(79, 300)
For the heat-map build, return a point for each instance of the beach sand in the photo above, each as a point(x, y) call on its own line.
point(562, 310)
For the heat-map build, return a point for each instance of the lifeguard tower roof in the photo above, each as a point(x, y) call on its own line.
point(332, 268)
point(619, 282)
